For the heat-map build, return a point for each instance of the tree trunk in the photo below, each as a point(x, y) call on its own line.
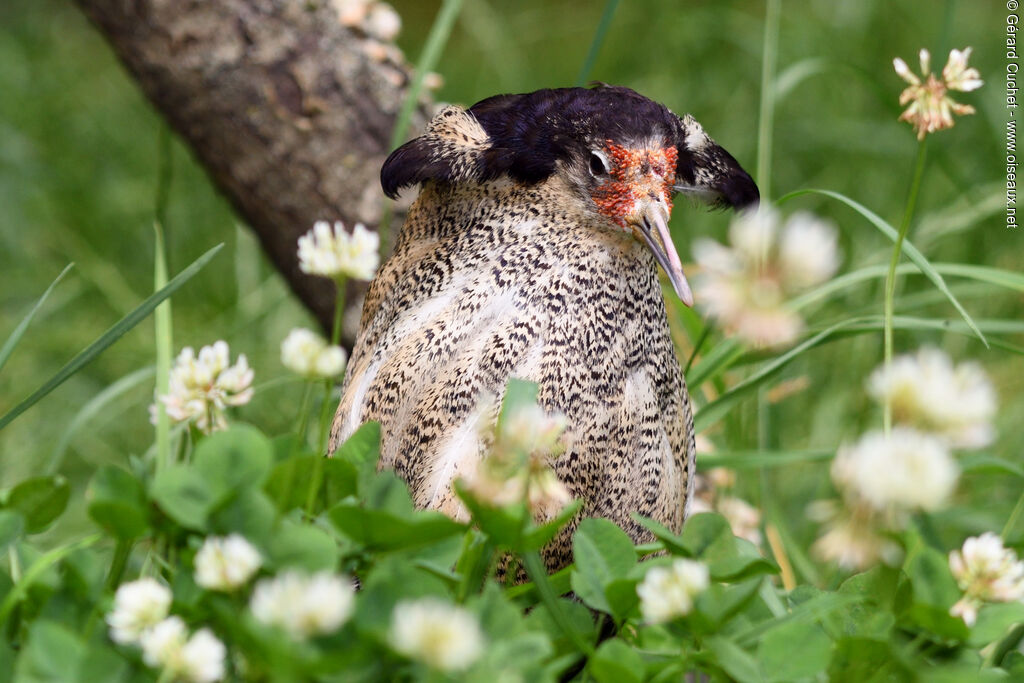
point(288, 110)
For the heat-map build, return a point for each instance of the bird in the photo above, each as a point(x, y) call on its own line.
point(531, 251)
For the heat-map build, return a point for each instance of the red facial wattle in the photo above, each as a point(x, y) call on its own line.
point(635, 177)
point(637, 196)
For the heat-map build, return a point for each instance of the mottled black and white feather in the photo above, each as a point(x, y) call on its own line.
point(504, 268)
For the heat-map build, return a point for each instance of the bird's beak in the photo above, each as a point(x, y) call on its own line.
point(652, 224)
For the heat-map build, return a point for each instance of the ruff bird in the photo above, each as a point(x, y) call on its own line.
point(531, 252)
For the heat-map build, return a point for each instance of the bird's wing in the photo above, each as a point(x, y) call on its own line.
point(426, 376)
point(600, 355)
point(610, 366)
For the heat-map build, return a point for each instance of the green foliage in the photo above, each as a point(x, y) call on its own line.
point(115, 332)
point(38, 662)
point(39, 501)
point(616, 661)
point(604, 555)
point(743, 626)
point(230, 462)
point(117, 503)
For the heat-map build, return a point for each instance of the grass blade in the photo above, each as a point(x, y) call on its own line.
point(988, 275)
point(986, 202)
point(905, 322)
point(798, 558)
point(714, 363)
point(110, 336)
point(19, 331)
point(909, 249)
point(941, 325)
point(164, 345)
point(844, 281)
point(538, 573)
point(595, 44)
point(766, 117)
point(436, 40)
point(864, 324)
point(813, 609)
point(44, 562)
point(889, 298)
point(740, 460)
point(162, 315)
point(797, 73)
point(713, 411)
point(994, 276)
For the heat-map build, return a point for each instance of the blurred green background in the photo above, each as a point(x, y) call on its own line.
point(79, 162)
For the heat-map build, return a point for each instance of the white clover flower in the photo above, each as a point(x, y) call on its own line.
point(907, 470)
point(705, 445)
point(753, 233)
point(304, 605)
point(351, 13)
point(138, 606)
point(224, 564)
point(530, 429)
point(927, 392)
point(379, 20)
point(854, 543)
point(201, 388)
point(668, 592)
point(987, 572)
point(202, 657)
point(966, 609)
point(722, 477)
point(497, 483)
point(433, 80)
point(698, 504)
point(443, 636)
point(957, 75)
point(517, 467)
point(931, 108)
point(749, 306)
point(162, 644)
point(904, 72)
point(717, 258)
point(383, 22)
point(331, 362)
point(335, 253)
point(745, 287)
point(768, 326)
point(743, 518)
point(808, 251)
point(199, 659)
point(306, 353)
point(546, 495)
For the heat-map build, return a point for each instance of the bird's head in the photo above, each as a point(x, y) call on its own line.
point(624, 156)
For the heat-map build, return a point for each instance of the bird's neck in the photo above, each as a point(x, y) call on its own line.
point(482, 217)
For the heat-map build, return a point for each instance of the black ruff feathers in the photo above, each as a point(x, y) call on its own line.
point(529, 133)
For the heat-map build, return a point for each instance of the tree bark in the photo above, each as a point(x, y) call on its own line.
point(290, 112)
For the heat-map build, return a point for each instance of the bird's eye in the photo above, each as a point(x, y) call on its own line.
point(598, 164)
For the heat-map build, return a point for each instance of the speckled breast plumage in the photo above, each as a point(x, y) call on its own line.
point(504, 283)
